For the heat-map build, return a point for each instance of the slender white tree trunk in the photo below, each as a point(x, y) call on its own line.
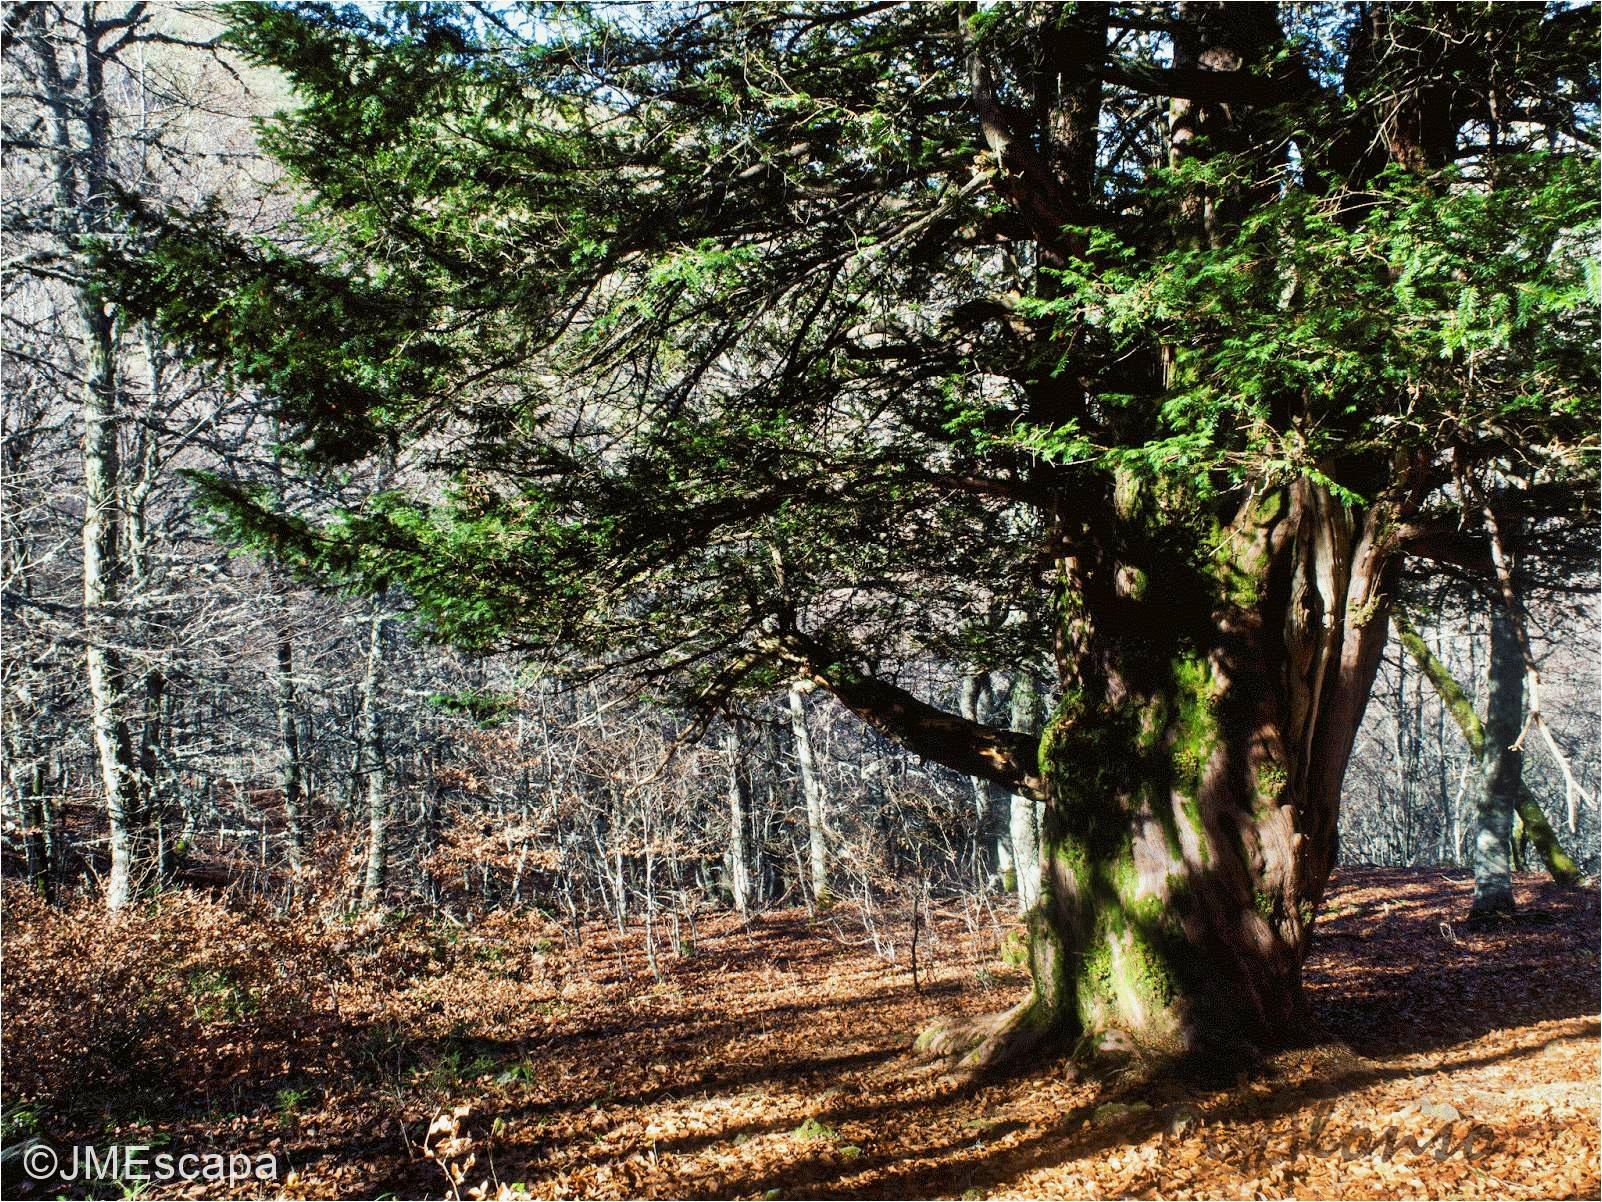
point(82, 205)
point(372, 760)
point(1023, 817)
point(739, 822)
point(974, 701)
point(289, 770)
point(812, 791)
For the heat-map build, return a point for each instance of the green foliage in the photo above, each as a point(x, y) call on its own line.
point(289, 1103)
point(20, 1120)
point(450, 1070)
point(217, 996)
point(482, 707)
point(521, 1073)
point(1426, 310)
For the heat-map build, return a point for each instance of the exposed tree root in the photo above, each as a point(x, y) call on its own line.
point(973, 1046)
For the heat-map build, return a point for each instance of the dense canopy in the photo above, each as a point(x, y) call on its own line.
point(732, 317)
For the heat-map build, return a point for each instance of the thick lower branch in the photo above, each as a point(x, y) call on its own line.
point(1006, 757)
point(1445, 684)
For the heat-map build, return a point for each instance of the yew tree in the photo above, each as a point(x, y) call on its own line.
point(733, 344)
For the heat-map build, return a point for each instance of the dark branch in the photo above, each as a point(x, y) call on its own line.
point(1005, 757)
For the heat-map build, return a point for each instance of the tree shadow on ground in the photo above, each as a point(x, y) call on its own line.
point(966, 1164)
point(1390, 977)
point(1389, 974)
point(746, 1041)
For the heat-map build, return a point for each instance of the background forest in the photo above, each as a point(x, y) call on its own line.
point(269, 723)
point(191, 718)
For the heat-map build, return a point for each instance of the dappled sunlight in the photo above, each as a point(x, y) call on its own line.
point(777, 1058)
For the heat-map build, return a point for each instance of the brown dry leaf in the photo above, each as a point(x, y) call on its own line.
point(334, 1041)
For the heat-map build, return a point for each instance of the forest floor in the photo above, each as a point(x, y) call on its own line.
point(772, 1060)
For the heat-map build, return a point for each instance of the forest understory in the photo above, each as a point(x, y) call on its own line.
point(413, 1056)
point(568, 570)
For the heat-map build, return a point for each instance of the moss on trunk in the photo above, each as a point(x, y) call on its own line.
point(1539, 832)
point(1192, 771)
point(1147, 908)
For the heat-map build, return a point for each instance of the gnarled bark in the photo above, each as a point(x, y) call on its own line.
point(1193, 776)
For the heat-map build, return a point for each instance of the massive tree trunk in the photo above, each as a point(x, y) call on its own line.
point(1192, 772)
point(1193, 764)
point(1213, 666)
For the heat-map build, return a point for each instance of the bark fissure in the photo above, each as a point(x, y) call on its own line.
point(1192, 788)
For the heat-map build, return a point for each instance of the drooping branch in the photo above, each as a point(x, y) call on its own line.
point(1006, 757)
